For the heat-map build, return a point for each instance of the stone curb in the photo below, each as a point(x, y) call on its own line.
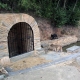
point(42, 66)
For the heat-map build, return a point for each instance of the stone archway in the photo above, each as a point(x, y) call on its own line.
point(20, 39)
point(6, 23)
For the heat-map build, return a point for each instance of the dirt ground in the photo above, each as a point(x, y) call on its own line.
point(75, 64)
point(70, 63)
point(46, 29)
point(27, 63)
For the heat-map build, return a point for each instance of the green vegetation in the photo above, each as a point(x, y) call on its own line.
point(60, 12)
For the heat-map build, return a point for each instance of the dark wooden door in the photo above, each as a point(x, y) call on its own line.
point(20, 39)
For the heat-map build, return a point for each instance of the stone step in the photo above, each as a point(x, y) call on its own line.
point(73, 49)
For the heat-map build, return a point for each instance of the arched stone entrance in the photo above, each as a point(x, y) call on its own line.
point(7, 21)
point(20, 39)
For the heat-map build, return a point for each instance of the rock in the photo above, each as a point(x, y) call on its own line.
point(44, 45)
point(1, 77)
point(5, 61)
point(3, 71)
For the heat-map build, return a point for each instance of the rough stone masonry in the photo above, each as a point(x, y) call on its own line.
point(7, 21)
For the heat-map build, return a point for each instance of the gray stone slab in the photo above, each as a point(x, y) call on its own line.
point(8, 69)
point(51, 56)
point(73, 48)
point(25, 70)
point(20, 71)
point(16, 58)
point(41, 66)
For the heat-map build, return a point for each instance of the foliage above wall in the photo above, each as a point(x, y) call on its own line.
point(60, 12)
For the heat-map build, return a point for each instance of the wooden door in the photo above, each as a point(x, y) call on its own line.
point(20, 39)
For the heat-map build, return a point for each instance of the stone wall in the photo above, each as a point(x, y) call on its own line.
point(7, 21)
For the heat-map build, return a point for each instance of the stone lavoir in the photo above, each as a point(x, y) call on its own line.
point(19, 33)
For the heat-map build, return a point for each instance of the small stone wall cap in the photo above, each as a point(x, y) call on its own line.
point(73, 48)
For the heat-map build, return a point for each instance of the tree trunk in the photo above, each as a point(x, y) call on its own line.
point(75, 5)
point(65, 4)
point(58, 3)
